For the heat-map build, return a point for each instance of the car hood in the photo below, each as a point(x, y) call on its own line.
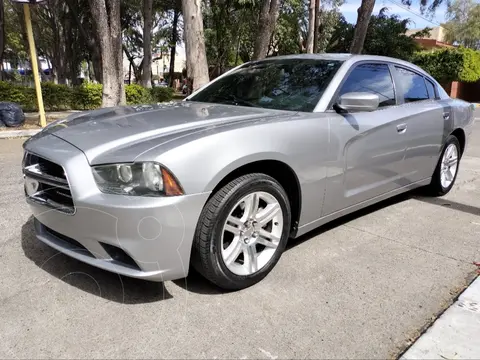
point(131, 130)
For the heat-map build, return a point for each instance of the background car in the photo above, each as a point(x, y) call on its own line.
point(266, 152)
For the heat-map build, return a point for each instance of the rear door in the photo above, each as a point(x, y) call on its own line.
point(369, 146)
point(425, 118)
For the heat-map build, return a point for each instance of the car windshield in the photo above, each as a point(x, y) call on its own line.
point(293, 84)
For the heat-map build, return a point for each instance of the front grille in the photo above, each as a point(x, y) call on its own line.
point(47, 184)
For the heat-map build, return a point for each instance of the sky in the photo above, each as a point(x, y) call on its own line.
point(349, 11)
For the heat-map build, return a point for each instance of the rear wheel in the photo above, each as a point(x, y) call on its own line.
point(446, 171)
point(242, 232)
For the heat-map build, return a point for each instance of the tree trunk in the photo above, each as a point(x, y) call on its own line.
point(147, 43)
point(130, 73)
point(137, 70)
point(97, 67)
point(197, 67)
point(316, 31)
point(61, 34)
point(311, 26)
point(173, 45)
point(2, 37)
point(91, 42)
point(266, 26)
point(364, 13)
point(89, 71)
point(106, 14)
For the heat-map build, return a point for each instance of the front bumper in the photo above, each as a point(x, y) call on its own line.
point(154, 234)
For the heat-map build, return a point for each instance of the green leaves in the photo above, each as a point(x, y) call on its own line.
point(162, 94)
point(448, 65)
point(463, 26)
point(87, 96)
point(137, 94)
point(386, 36)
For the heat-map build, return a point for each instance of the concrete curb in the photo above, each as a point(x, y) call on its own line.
point(9, 134)
point(453, 334)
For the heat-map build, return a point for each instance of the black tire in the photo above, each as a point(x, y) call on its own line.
point(206, 259)
point(435, 187)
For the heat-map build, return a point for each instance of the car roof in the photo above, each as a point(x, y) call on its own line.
point(351, 59)
point(326, 56)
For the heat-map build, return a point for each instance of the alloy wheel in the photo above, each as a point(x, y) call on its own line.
point(449, 166)
point(251, 233)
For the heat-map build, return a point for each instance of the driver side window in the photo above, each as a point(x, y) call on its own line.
point(371, 78)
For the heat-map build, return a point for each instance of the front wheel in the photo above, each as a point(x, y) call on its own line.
point(446, 171)
point(242, 232)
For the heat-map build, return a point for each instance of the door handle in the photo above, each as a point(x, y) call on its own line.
point(446, 116)
point(401, 128)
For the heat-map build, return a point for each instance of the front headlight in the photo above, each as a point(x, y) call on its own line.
point(137, 179)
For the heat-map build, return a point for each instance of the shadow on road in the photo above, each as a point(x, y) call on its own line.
point(87, 278)
point(347, 218)
point(133, 291)
point(469, 209)
point(197, 284)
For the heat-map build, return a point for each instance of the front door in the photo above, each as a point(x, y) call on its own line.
point(368, 147)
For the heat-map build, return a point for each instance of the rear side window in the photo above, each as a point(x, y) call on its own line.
point(413, 85)
point(372, 78)
point(430, 89)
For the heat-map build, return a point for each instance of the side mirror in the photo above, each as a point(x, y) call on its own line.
point(358, 101)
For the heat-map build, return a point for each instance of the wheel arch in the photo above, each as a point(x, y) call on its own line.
point(277, 169)
point(459, 133)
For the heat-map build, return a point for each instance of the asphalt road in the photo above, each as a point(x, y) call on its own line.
point(363, 287)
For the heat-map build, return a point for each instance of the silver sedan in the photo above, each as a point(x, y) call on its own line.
point(266, 152)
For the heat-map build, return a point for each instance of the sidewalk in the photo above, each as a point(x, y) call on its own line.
point(31, 120)
point(455, 334)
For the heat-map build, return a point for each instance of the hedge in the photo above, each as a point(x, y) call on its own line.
point(137, 94)
point(161, 94)
point(87, 96)
point(446, 65)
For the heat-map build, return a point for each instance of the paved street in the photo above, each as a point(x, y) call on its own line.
point(362, 287)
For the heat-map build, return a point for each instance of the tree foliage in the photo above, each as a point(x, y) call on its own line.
point(448, 65)
point(73, 42)
point(463, 25)
point(386, 36)
point(361, 27)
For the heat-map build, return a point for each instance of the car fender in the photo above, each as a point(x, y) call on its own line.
point(246, 160)
point(200, 165)
point(303, 142)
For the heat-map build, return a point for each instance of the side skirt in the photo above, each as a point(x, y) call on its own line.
point(337, 214)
